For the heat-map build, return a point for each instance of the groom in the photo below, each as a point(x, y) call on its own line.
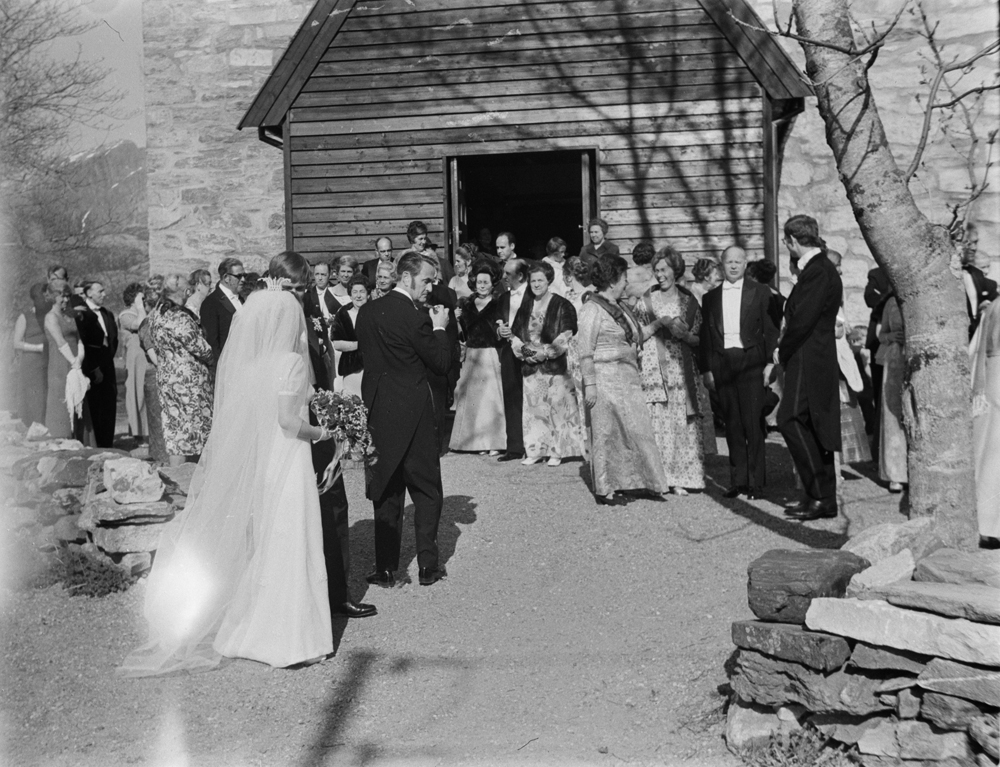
point(332, 503)
point(402, 346)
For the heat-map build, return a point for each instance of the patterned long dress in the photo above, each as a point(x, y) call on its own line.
point(575, 297)
point(550, 416)
point(668, 382)
point(182, 377)
point(622, 445)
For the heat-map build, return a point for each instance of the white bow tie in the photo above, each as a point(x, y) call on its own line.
point(731, 286)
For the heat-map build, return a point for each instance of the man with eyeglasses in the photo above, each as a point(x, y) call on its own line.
point(383, 251)
point(221, 304)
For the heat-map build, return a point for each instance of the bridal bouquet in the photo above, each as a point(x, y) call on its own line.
point(346, 417)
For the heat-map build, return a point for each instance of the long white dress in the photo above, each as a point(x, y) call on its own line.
point(240, 571)
point(986, 421)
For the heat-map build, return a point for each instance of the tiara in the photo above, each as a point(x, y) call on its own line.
point(277, 284)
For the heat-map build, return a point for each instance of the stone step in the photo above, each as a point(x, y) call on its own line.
point(783, 582)
point(973, 601)
point(793, 643)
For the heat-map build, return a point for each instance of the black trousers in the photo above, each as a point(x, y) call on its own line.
point(102, 399)
point(419, 472)
point(513, 392)
point(741, 399)
point(813, 463)
point(336, 542)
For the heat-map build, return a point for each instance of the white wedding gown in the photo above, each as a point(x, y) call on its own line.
point(240, 572)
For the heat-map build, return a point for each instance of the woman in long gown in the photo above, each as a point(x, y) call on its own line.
point(669, 374)
point(622, 445)
point(550, 416)
point(351, 365)
point(65, 353)
point(576, 278)
point(135, 360)
point(986, 421)
point(479, 415)
point(240, 572)
point(32, 354)
point(151, 393)
point(892, 438)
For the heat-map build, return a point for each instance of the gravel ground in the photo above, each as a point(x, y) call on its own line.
point(566, 633)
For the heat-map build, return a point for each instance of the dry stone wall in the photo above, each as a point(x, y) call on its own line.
point(217, 192)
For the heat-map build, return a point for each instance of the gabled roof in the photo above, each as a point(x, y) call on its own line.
point(767, 60)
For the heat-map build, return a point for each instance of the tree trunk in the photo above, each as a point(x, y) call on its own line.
point(916, 256)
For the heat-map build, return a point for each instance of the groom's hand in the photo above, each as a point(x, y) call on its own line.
point(439, 316)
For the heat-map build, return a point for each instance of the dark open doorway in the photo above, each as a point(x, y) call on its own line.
point(535, 195)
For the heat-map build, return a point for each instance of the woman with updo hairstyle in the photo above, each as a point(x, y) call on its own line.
point(479, 413)
point(707, 274)
point(182, 373)
point(550, 416)
point(135, 360)
point(670, 373)
point(460, 282)
point(347, 267)
point(350, 366)
point(623, 448)
point(576, 277)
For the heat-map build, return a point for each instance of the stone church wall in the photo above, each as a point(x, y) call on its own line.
point(216, 192)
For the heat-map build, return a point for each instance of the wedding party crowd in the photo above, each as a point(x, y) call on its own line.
point(624, 364)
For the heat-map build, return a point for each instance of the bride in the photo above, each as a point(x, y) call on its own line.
point(240, 572)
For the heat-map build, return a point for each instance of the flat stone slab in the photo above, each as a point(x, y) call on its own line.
point(845, 728)
point(783, 582)
point(948, 712)
point(973, 601)
point(953, 566)
point(128, 538)
point(977, 684)
point(879, 623)
point(879, 542)
point(772, 682)
point(913, 739)
point(898, 567)
point(885, 659)
point(787, 642)
point(102, 511)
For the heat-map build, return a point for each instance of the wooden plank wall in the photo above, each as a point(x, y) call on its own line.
point(674, 114)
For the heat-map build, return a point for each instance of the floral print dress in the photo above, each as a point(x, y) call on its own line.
point(183, 379)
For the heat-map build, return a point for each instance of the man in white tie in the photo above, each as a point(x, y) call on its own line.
point(99, 334)
point(221, 304)
point(320, 294)
point(737, 341)
point(515, 277)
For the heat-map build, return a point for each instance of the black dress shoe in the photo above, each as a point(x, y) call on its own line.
point(355, 610)
point(431, 575)
point(734, 491)
point(510, 457)
point(816, 510)
point(383, 578)
point(801, 507)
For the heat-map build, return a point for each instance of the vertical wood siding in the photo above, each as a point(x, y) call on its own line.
point(675, 117)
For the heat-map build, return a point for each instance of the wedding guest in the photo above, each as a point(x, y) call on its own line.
point(347, 267)
point(383, 255)
point(555, 256)
point(385, 280)
point(640, 274)
point(511, 318)
point(345, 340)
point(599, 245)
point(443, 385)
point(550, 416)
point(763, 271)
point(979, 289)
point(152, 290)
point(622, 444)
point(986, 423)
point(32, 356)
point(670, 371)
point(892, 437)
point(99, 334)
point(878, 290)
point(479, 415)
point(135, 360)
point(576, 277)
point(222, 304)
point(854, 445)
point(182, 373)
point(65, 354)
point(55, 275)
point(460, 282)
point(707, 275)
point(200, 283)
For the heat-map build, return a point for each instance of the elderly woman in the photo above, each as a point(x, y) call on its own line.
point(707, 275)
point(182, 372)
point(550, 417)
point(599, 245)
point(347, 267)
point(351, 366)
point(200, 283)
point(622, 444)
point(479, 414)
point(135, 360)
point(385, 280)
point(670, 374)
point(32, 355)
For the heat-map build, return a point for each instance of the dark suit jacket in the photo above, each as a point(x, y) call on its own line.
point(400, 348)
point(368, 269)
point(216, 317)
point(757, 331)
point(97, 356)
point(877, 292)
point(310, 301)
point(808, 348)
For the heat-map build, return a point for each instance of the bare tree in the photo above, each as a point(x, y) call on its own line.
point(915, 253)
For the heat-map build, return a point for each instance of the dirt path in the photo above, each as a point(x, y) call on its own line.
point(566, 633)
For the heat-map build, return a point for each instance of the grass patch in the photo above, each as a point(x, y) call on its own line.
point(807, 747)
